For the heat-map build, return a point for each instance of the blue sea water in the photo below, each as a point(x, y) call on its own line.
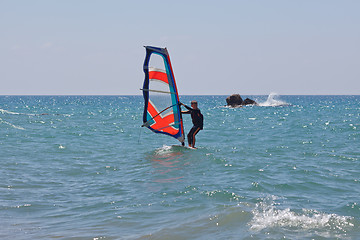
point(81, 167)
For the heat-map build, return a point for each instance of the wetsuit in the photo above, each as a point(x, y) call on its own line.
point(198, 121)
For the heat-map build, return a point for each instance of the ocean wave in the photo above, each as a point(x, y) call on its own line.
point(3, 111)
point(267, 216)
point(12, 125)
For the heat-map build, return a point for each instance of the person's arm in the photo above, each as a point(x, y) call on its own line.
point(188, 108)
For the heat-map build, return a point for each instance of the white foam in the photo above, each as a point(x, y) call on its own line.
point(3, 111)
point(273, 101)
point(163, 149)
point(266, 216)
point(12, 125)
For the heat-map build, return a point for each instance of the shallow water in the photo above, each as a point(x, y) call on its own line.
point(81, 167)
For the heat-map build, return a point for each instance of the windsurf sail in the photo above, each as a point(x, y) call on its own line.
point(162, 113)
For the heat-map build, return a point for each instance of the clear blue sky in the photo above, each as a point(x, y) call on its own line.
point(216, 47)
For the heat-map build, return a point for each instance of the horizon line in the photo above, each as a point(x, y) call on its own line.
point(179, 95)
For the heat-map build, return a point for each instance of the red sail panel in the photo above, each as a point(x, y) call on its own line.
point(157, 75)
point(161, 123)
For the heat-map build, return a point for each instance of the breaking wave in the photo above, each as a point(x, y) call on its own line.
point(12, 125)
point(3, 111)
point(267, 216)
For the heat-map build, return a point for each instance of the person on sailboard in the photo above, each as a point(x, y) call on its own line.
point(197, 119)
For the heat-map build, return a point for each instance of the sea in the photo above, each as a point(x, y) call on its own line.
point(82, 167)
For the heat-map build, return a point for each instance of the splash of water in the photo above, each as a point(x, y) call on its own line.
point(273, 101)
point(266, 215)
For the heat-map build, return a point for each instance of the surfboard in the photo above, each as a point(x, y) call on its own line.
point(180, 146)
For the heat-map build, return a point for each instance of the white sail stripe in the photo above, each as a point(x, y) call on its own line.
point(158, 91)
point(152, 69)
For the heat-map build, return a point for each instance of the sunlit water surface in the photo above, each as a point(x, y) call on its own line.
point(81, 167)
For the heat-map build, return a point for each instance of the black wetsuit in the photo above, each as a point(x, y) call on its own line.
point(198, 121)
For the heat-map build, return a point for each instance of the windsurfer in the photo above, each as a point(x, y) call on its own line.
point(197, 119)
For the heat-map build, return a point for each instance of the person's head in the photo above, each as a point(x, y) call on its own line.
point(194, 104)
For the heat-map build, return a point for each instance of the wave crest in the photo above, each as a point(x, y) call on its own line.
point(267, 216)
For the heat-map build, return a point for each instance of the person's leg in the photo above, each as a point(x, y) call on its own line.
point(197, 129)
point(190, 136)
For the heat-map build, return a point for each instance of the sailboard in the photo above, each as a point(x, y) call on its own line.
point(162, 113)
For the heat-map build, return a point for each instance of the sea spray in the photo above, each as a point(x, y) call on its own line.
point(273, 101)
point(268, 215)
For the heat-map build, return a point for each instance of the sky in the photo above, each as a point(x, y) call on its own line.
point(250, 47)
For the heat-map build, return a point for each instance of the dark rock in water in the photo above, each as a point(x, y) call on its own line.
point(235, 100)
point(249, 101)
